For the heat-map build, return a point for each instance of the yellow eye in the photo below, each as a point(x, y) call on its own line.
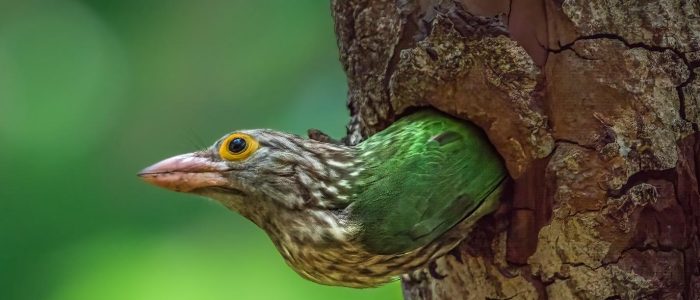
point(238, 146)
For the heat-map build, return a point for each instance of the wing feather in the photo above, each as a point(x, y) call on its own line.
point(433, 172)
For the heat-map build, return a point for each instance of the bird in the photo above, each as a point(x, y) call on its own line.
point(351, 215)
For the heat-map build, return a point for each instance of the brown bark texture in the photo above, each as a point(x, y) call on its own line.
point(594, 106)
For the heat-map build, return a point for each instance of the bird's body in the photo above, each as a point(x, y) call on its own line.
point(352, 215)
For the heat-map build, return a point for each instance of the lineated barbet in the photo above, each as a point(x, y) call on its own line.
point(354, 216)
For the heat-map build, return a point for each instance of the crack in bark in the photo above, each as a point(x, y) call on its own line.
point(572, 142)
point(652, 293)
point(559, 276)
point(510, 9)
point(643, 177)
point(682, 55)
point(610, 36)
point(407, 29)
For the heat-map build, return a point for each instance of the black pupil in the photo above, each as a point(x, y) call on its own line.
point(237, 145)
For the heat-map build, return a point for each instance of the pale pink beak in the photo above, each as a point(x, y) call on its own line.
point(185, 173)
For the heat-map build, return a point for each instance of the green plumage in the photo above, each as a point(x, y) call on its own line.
point(423, 175)
point(357, 215)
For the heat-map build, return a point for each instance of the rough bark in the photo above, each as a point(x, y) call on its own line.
point(594, 106)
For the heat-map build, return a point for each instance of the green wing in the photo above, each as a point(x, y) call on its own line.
point(424, 174)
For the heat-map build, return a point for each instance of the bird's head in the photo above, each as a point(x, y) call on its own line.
point(260, 172)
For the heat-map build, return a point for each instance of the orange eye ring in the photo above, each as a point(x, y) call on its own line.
point(238, 146)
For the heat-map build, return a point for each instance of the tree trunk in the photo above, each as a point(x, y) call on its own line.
point(593, 105)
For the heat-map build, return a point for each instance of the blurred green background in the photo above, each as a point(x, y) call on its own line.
point(93, 91)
